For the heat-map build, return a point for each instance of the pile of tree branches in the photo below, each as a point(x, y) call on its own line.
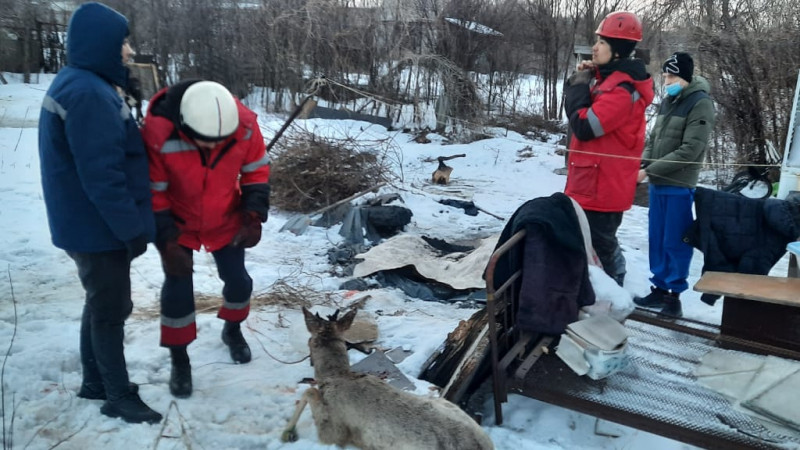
point(311, 171)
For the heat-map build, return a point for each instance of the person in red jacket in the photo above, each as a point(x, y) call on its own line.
point(605, 100)
point(209, 176)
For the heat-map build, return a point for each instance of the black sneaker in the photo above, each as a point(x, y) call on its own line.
point(131, 409)
point(655, 299)
point(232, 337)
point(180, 380)
point(672, 305)
point(96, 391)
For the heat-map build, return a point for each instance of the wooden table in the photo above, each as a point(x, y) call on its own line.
point(757, 308)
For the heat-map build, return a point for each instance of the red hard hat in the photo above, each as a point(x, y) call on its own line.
point(621, 25)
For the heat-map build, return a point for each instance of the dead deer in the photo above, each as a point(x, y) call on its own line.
point(364, 411)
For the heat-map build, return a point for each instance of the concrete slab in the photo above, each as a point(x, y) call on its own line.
point(398, 354)
point(773, 371)
point(729, 373)
point(379, 365)
point(780, 402)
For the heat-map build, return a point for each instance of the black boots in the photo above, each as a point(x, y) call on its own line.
point(655, 299)
point(92, 387)
point(180, 379)
point(669, 302)
point(672, 305)
point(96, 391)
point(232, 337)
point(106, 339)
point(131, 409)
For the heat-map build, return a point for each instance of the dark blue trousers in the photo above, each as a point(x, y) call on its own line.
point(670, 216)
point(603, 227)
point(178, 326)
point(105, 277)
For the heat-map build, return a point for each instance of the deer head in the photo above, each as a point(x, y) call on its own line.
point(327, 344)
point(333, 326)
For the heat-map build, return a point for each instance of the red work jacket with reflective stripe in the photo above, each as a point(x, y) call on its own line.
point(202, 189)
point(608, 183)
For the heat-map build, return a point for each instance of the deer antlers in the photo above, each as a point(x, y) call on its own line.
point(333, 317)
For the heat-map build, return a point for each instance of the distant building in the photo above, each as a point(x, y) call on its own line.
point(33, 34)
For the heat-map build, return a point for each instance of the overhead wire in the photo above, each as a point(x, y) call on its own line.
point(320, 81)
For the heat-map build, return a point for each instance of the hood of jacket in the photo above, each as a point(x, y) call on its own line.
point(632, 71)
point(633, 67)
point(698, 84)
point(94, 42)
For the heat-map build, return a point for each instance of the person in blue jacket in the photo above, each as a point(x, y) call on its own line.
point(96, 190)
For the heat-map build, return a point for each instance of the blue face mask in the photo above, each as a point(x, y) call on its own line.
point(673, 89)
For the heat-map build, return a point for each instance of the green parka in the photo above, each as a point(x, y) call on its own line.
point(680, 136)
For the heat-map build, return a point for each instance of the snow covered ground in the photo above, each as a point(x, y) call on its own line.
point(246, 406)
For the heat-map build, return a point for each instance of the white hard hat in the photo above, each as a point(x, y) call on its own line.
point(208, 111)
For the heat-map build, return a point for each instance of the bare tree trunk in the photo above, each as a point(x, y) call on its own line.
point(26, 55)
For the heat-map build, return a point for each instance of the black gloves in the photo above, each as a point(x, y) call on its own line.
point(175, 259)
point(136, 246)
point(580, 77)
point(255, 197)
point(166, 229)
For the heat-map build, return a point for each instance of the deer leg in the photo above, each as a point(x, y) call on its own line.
point(329, 427)
point(290, 432)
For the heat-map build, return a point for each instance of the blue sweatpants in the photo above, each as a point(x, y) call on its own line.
point(670, 216)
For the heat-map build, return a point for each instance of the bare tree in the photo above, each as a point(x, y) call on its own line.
point(419, 52)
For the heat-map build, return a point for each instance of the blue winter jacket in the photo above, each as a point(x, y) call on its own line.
point(93, 161)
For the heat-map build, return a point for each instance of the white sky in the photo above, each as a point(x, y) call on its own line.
point(246, 407)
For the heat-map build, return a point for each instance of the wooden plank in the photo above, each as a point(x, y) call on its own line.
point(516, 351)
point(460, 352)
point(532, 357)
point(468, 367)
point(779, 290)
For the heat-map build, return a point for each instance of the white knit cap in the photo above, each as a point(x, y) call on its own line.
point(209, 111)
